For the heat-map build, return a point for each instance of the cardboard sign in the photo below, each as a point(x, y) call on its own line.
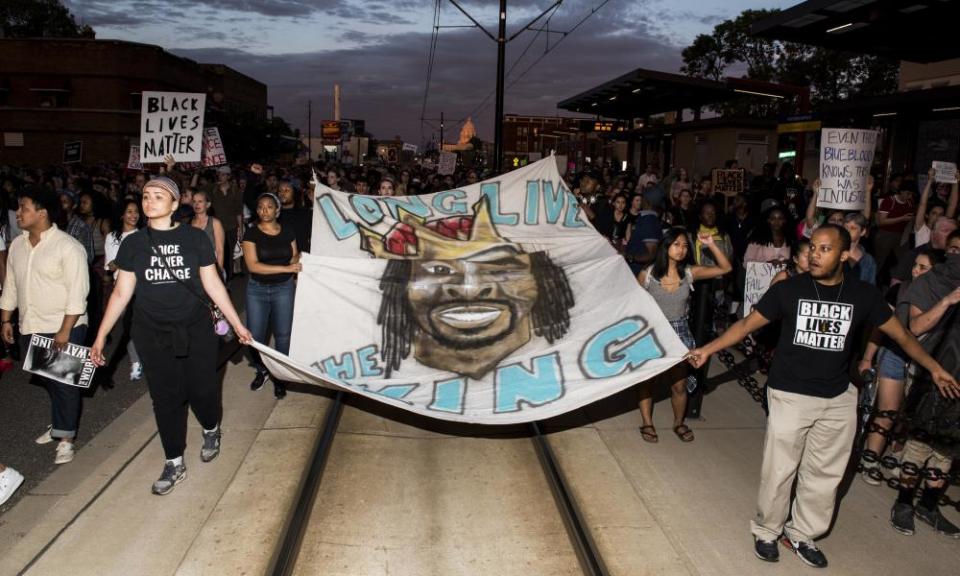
point(171, 123)
point(409, 147)
point(213, 153)
point(72, 152)
point(133, 159)
point(447, 163)
point(759, 276)
point(728, 182)
point(946, 172)
point(846, 155)
point(71, 366)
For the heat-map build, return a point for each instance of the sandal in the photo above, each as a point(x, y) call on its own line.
point(649, 434)
point(683, 432)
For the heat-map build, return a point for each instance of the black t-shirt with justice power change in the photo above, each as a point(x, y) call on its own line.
point(820, 331)
point(167, 265)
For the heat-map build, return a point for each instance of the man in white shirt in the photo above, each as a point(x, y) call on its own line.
point(47, 281)
point(650, 176)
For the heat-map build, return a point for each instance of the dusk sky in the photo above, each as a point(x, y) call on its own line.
point(378, 51)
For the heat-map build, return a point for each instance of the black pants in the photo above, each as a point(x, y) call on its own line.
point(176, 382)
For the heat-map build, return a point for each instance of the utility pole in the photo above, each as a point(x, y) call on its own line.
point(441, 132)
point(310, 130)
point(501, 40)
point(498, 114)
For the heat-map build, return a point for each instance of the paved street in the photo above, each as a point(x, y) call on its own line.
point(25, 411)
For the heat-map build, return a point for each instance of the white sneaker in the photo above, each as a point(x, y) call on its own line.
point(64, 452)
point(10, 480)
point(136, 371)
point(45, 438)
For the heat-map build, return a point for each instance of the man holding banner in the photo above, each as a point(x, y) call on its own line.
point(813, 412)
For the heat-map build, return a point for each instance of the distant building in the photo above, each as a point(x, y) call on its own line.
point(54, 91)
point(583, 140)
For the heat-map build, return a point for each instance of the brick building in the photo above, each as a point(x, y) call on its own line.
point(58, 90)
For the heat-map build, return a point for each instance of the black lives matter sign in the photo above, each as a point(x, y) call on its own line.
point(823, 325)
point(171, 123)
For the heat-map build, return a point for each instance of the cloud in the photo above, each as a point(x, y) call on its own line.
point(384, 83)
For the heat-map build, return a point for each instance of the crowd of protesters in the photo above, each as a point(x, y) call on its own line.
point(890, 272)
point(873, 281)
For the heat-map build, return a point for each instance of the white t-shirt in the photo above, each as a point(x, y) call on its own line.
point(111, 245)
point(644, 178)
point(921, 236)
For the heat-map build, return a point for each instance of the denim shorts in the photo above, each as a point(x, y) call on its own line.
point(890, 365)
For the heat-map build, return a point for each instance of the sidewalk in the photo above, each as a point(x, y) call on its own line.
point(667, 508)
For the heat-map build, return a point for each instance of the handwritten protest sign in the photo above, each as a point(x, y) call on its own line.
point(71, 366)
point(133, 160)
point(728, 182)
point(759, 276)
point(171, 123)
point(213, 153)
point(846, 155)
point(447, 164)
point(946, 172)
point(73, 152)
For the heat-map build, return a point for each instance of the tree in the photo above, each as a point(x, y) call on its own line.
point(831, 75)
point(39, 19)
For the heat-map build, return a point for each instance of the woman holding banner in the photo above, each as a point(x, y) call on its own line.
point(670, 281)
point(172, 269)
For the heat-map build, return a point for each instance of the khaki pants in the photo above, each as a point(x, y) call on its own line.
point(923, 455)
point(811, 439)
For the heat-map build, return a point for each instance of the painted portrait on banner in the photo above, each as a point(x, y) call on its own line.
point(494, 303)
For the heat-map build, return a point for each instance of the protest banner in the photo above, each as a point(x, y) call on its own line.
point(213, 153)
point(71, 366)
point(846, 155)
point(728, 182)
point(945, 172)
point(133, 159)
point(171, 123)
point(407, 147)
point(759, 276)
point(72, 152)
point(538, 314)
point(447, 164)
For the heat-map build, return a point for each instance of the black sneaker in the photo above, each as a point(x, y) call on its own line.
point(901, 518)
point(766, 550)
point(172, 475)
point(211, 445)
point(808, 552)
point(279, 390)
point(935, 519)
point(258, 381)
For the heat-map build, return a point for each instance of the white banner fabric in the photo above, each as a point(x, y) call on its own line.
point(171, 123)
point(496, 303)
point(846, 155)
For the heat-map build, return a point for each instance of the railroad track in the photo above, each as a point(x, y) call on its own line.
point(288, 551)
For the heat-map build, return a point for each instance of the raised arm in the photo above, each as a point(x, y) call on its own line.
point(868, 207)
point(952, 201)
point(922, 321)
point(920, 219)
point(811, 217)
point(719, 256)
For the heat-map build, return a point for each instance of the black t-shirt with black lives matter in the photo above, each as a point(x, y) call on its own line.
point(160, 296)
point(819, 334)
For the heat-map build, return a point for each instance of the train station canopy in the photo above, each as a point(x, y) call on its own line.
point(643, 92)
point(912, 30)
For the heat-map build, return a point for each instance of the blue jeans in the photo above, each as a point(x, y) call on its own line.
point(64, 399)
point(270, 306)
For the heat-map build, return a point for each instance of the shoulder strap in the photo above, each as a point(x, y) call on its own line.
point(646, 276)
point(163, 259)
